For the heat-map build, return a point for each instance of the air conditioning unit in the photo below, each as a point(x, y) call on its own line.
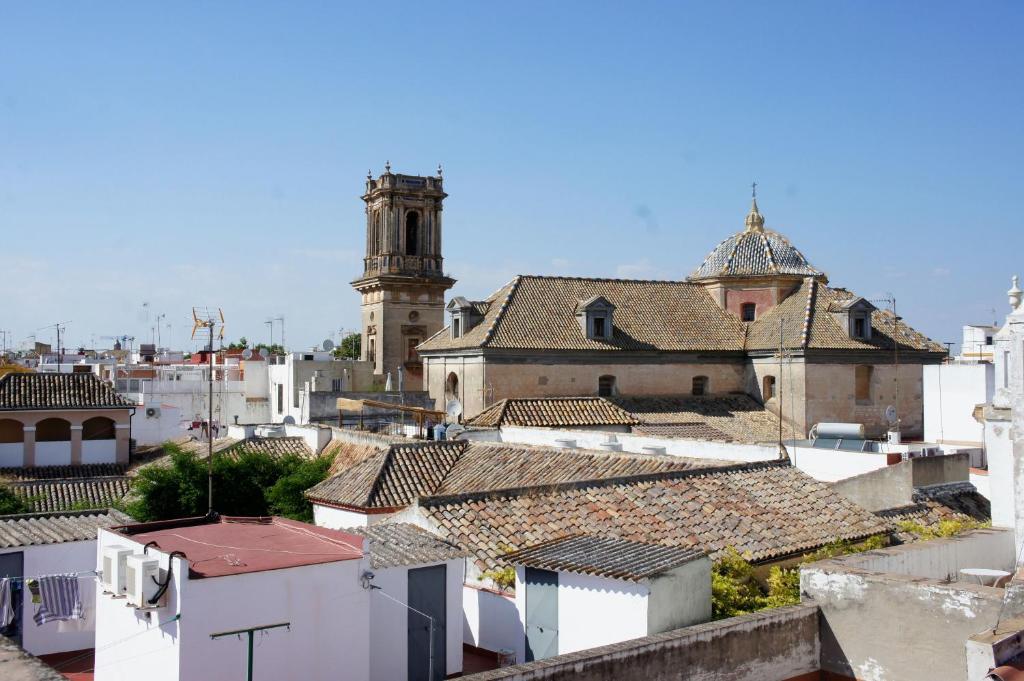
point(152, 412)
point(140, 572)
point(114, 557)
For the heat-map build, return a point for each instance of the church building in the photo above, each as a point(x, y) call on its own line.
point(717, 332)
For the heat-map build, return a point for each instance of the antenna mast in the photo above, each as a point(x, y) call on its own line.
point(204, 318)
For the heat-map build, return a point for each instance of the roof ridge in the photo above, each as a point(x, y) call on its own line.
point(547, 488)
point(513, 287)
point(682, 282)
point(805, 333)
point(86, 478)
point(378, 476)
point(103, 510)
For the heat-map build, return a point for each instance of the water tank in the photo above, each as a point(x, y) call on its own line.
point(838, 430)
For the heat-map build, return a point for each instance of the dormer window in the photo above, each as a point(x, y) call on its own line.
point(456, 325)
point(465, 315)
point(594, 316)
point(855, 317)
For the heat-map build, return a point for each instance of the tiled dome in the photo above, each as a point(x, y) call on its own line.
point(755, 252)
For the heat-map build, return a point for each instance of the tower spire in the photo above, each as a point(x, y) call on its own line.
point(754, 221)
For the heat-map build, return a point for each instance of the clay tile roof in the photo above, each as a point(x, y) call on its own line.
point(58, 391)
point(397, 544)
point(61, 494)
point(809, 323)
point(29, 529)
point(764, 510)
point(553, 412)
point(733, 418)
point(274, 447)
point(604, 557)
point(396, 477)
point(85, 470)
point(539, 313)
point(931, 505)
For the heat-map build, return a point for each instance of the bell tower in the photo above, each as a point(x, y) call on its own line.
point(403, 281)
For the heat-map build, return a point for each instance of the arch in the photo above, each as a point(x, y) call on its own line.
point(11, 431)
point(606, 386)
point(376, 232)
point(53, 430)
point(767, 388)
point(412, 233)
point(99, 428)
point(451, 387)
point(700, 386)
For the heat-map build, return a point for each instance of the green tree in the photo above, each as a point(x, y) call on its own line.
point(275, 349)
point(245, 484)
point(241, 344)
point(350, 347)
point(734, 590)
point(11, 502)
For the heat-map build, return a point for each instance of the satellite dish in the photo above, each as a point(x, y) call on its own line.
point(890, 414)
point(327, 345)
point(247, 354)
point(454, 410)
point(263, 353)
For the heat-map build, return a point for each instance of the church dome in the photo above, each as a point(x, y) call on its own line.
point(755, 252)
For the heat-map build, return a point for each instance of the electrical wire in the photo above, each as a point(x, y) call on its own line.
point(107, 646)
point(79, 575)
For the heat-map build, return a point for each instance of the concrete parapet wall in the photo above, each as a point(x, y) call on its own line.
point(772, 645)
point(893, 614)
point(893, 486)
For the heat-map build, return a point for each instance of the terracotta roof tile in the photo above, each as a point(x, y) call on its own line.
point(58, 391)
point(61, 494)
point(553, 412)
point(604, 557)
point(30, 529)
point(274, 447)
point(396, 544)
point(768, 510)
point(734, 418)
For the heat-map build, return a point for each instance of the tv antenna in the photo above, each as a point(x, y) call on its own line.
point(61, 328)
point(213, 322)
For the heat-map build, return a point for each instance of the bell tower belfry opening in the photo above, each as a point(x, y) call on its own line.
point(403, 281)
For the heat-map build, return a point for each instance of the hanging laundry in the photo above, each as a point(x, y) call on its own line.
point(33, 588)
point(60, 599)
point(6, 603)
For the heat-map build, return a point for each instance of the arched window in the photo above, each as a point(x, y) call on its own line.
point(863, 383)
point(748, 312)
point(768, 388)
point(451, 387)
point(700, 386)
point(98, 428)
point(11, 431)
point(377, 230)
point(412, 233)
point(606, 386)
point(53, 430)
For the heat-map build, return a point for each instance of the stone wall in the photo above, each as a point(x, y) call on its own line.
point(771, 645)
point(831, 397)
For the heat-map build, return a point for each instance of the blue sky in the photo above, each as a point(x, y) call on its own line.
point(214, 153)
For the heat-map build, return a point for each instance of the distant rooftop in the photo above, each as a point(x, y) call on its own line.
point(32, 529)
point(234, 546)
point(57, 391)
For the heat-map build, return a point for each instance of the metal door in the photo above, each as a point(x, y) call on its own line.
point(426, 638)
point(12, 565)
point(541, 614)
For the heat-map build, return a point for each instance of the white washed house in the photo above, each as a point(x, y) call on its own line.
point(233, 574)
point(37, 544)
point(585, 591)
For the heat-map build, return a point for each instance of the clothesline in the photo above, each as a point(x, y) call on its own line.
point(80, 575)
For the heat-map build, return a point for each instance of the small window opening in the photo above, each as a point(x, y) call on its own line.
point(863, 383)
point(599, 323)
point(858, 327)
point(748, 312)
point(700, 386)
point(412, 233)
point(606, 386)
point(456, 327)
point(768, 389)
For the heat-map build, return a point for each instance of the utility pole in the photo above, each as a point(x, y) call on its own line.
point(210, 322)
point(59, 326)
point(280, 318)
point(249, 632)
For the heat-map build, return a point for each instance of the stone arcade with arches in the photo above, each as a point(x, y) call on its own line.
point(61, 420)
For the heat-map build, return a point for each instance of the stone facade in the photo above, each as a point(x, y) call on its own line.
point(403, 281)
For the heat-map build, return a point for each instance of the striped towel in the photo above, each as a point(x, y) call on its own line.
point(60, 599)
point(6, 603)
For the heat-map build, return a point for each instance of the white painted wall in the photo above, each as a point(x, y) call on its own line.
point(829, 465)
point(491, 620)
point(154, 430)
point(951, 392)
point(99, 451)
point(592, 439)
point(48, 559)
point(680, 597)
point(316, 438)
point(327, 607)
point(389, 621)
point(53, 453)
point(12, 454)
point(337, 518)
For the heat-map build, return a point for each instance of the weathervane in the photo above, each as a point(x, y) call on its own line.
point(753, 189)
